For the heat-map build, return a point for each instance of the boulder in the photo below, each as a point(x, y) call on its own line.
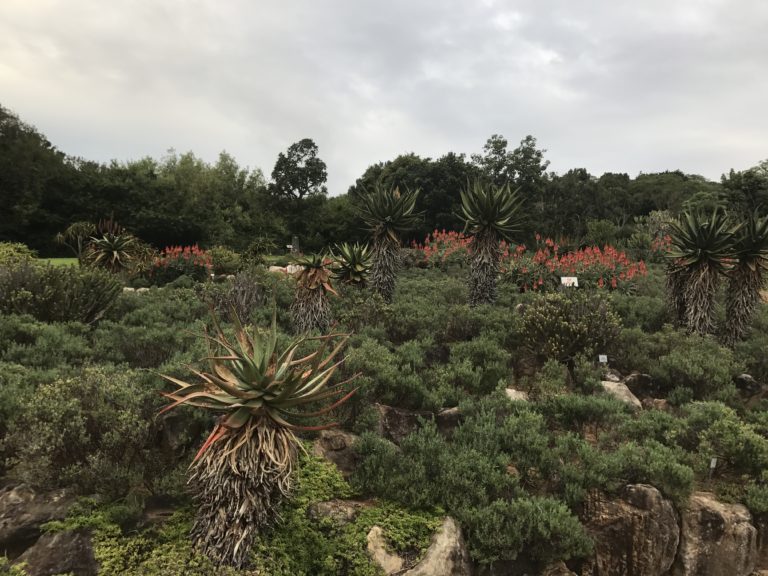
point(656, 404)
point(128, 289)
point(620, 391)
point(635, 535)
point(69, 552)
point(277, 270)
point(337, 446)
point(517, 395)
point(747, 385)
point(447, 553)
point(642, 385)
point(23, 510)
point(396, 423)
point(448, 420)
point(340, 511)
point(377, 549)
point(612, 375)
point(142, 290)
point(294, 268)
point(716, 539)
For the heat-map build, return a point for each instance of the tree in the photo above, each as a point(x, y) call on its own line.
point(387, 213)
point(299, 173)
point(491, 213)
point(747, 191)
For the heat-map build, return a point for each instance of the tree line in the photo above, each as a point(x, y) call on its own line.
point(180, 199)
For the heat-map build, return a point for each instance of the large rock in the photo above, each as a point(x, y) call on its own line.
point(396, 423)
point(642, 385)
point(447, 554)
point(448, 420)
point(716, 539)
point(68, 552)
point(620, 391)
point(337, 446)
point(23, 510)
point(516, 395)
point(635, 535)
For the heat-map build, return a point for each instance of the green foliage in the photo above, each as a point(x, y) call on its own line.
point(388, 213)
point(88, 432)
point(601, 233)
point(14, 253)
point(224, 260)
point(33, 344)
point(352, 263)
point(57, 294)
point(561, 326)
point(491, 210)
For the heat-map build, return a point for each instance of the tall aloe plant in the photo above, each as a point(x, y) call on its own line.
point(491, 214)
point(242, 472)
point(746, 278)
point(310, 309)
point(387, 213)
point(702, 250)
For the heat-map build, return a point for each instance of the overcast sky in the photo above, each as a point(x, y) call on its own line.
point(609, 85)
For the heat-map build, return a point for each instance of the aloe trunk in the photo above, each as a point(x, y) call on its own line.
point(385, 264)
point(239, 487)
point(485, 255)
point(742, 298)
point(700, 292)
point(310, 310)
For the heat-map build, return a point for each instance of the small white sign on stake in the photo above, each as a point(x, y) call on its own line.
point(713, 463)
point(602, 358)
point(569, 281)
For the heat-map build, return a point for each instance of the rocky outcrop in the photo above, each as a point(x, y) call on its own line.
point(620, 391)
point(642, 385)
point(68, 552)
point(635, 535)
point(446, 556)
point(448, 420)
point(716, 539)
point(23, 510)
point(396, 423)
point(337, 447)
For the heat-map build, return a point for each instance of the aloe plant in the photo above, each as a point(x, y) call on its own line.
point(352, 264)
point(310, 309)
point(491, 214)
point(242, 472)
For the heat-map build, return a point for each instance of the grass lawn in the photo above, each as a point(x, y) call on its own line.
point(61, 261)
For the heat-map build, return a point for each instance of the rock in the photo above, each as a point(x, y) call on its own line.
point(656, 404)
point(620, 391)
point(761, 523)
point(634, 535)
point(516, 395)
point(641, 385)
point(612, 375)
point(128, 289)
point(293, 268)
point(277, 270)
point(377, 549)
point(747, 385)
point(557, 569)
point(336, 446)
point(448, 420)
point(142, 290)
point(447, 554)
point(716, 539)
point(68, 552)
point(23, 510)
point(340, 511)
point(395, 423)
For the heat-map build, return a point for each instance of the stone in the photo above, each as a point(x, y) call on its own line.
point(340, 511)
point(277, 270)
point(517, 395)
point(142, 290)
point(557, 569)
point(716, 539)
point(448, 420)
point(447, 554)
point(642, 385)
point(620, 391)
point(377, 549)
point(761, 523)
point(747, 385)
point(657, 404)
point(293, 268)
point(612, 375)
point(396, 423)
point(128, 289)
point(337, 446)
point(23, 510)
point(69, 552)
point(636, 534)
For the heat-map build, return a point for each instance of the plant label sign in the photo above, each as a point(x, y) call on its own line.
point(713, 463)
point(569, 281)
point(602, 358)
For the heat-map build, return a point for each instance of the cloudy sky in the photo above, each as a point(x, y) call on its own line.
point(609, 85)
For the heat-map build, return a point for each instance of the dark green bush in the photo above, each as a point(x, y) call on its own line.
point(224, 260)
point(57, 293)
point(14, 253)
point(34, 344)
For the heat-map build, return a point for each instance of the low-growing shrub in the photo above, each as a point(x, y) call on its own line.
point(224, 260)
point(14, 253)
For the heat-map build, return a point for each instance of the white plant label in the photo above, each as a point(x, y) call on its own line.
point(713, 463)
point(602, 358)
point(569, 281)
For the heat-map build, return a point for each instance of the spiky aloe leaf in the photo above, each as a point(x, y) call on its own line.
point(352, 263)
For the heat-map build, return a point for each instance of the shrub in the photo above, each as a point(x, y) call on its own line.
point(176, 261)
point(14, 253)
point(247, 291)
point(33, 344)
point(562, 326)
point(224, 260)
point(89, 432)
point(57, 294)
